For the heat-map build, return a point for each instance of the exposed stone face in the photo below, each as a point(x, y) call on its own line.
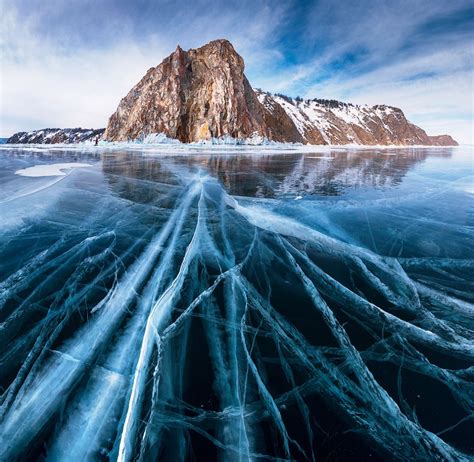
point(442, 140)
point(192, 95)
point(203, 93)
point(334, 122)
point(280, 126)
point(56, 135)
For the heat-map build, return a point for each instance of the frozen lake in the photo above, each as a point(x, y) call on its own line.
point(236, 304)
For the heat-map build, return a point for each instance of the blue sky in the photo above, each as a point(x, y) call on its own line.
point(68, 63)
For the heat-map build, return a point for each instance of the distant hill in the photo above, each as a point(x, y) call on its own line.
point(56, 135)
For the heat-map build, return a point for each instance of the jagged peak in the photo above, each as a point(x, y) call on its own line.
point(179, 53)
point(220, 42)
point(221, 47)
point(217, 43)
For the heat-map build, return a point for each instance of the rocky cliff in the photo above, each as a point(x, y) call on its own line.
point(192, 95)
point(322, 121)
point(56, 135)
point(203, 94)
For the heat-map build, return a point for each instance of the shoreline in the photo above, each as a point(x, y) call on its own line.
point(202, 147)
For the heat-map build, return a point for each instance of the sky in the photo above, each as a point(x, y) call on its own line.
point(67, 63)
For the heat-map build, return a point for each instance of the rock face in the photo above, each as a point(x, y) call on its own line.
point(441, 140)
point(192, 95)
point(203, 94)
point(322, 121)
point(56, 135)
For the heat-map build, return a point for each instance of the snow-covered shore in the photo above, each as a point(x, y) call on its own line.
point(161, 144)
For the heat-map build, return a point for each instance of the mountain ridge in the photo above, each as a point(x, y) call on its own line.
point(332, 122)
point(203, 94)
point(56, 136)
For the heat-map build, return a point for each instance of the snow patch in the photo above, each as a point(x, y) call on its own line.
point(349, 114)
point(50, 169)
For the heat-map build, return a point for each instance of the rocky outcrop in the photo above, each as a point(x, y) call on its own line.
point(56, 135)
point(201, 94)
point(280, 126)
point(442, 140)
point(322, 121)
point(192, 95)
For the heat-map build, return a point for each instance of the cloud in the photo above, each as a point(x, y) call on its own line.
point(62, 67)
point(68, 64)
point(42, 85)
point(416, 55)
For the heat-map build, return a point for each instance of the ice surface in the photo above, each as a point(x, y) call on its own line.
point(251, 306)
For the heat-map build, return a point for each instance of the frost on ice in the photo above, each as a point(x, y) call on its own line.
point(195, 322)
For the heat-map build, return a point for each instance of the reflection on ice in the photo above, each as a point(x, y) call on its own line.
point(165, 310)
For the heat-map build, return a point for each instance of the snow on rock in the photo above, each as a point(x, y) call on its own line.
point(203, 96)
point(333, 122)
point(56, 136)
